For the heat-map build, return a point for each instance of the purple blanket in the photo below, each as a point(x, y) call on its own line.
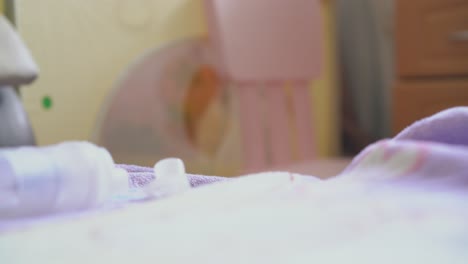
point(432, 153)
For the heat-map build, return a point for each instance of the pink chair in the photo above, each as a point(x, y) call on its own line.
point(264, 45)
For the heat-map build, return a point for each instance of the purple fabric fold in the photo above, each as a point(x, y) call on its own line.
point(432, 152)
point(449, 127)
point(141, 176)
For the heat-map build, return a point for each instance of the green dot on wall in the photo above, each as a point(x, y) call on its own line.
point(47, 102)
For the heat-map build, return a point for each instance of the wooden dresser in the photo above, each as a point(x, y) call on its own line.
point(431, 58)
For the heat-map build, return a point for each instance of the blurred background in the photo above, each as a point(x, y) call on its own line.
point(384, 64)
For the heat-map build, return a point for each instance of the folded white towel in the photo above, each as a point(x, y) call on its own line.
point(63, 177)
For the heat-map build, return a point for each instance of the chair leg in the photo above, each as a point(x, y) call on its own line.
point(304, 120)
point(252, 129)
point(278, 125)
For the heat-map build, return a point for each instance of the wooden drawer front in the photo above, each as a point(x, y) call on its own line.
point(414, 100)
point(432, 37)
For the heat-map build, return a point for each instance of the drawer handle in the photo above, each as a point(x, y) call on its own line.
point(460, 35)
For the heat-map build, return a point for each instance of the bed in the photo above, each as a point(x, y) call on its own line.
point(402, 200)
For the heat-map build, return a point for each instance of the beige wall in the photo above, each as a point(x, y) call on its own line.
point(83, 46)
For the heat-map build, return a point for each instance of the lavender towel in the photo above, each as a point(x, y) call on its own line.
point(141, 176)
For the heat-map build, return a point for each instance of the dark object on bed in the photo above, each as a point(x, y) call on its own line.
point(16, 68)
point(15, 129)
